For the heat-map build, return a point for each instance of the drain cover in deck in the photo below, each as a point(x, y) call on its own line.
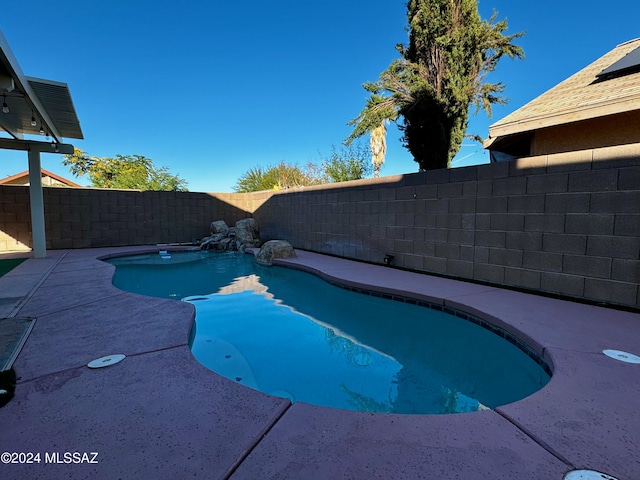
point(622, 356)
point(106, 361)
point(587, 475)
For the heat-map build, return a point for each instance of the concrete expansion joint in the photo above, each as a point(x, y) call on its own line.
point(571, 350)
point(35, 288)
point(81, 305)
point(163, 349)
point(261, 435)
point(538, 441)
point(20, 380)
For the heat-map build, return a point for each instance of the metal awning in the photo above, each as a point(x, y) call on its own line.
point(46, 103)
point(32, 110)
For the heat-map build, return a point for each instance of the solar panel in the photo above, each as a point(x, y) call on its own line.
point(627, 64)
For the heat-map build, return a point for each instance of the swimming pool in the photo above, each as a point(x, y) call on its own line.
point(291, 334)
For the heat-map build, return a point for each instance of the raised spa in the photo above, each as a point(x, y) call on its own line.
point(291, 334)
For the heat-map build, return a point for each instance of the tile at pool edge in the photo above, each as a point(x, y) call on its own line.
point(384, 279)
point(557, 323)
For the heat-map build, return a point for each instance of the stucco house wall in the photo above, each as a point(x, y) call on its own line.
point(586, 111)
point(49, 179)
point(611, 130)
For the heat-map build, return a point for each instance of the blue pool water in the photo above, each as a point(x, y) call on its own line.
point(291, 334)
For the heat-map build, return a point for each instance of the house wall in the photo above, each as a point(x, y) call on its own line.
point(47, 181)
point(611, 130)
point(565, 224)
point(20, 181)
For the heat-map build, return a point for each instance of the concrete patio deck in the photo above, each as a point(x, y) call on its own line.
point(160, 414)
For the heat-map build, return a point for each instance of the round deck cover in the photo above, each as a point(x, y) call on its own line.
point(106, 361)
point(622, 356)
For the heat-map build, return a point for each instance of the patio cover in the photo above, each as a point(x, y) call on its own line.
point(46, 103)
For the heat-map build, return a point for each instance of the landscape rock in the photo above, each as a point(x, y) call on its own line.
point(219, 227)
point(225, 244)
point(274, 249)
point(247, 232)
point(225, 238)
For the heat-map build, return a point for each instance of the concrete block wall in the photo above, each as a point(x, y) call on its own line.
point(565, 224)
point(85, 218)
point(15, 220)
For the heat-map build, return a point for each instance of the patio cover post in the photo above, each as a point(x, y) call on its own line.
point(37, 106)
point(37, 205)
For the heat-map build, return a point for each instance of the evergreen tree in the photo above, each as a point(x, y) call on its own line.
point(441, 72)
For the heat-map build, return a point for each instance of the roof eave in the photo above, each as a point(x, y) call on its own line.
point(561, 118)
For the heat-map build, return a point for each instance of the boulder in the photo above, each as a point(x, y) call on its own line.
point(206, 243)
point(274, 249)
point(223, 237)
point(217, 237)
point(225, 244)
point(219, 227)
point(247, 232)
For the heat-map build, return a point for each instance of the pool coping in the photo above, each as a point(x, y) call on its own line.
point(159, 410)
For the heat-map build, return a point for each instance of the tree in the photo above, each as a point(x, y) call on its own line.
point(347, 164)
point(350, 163)
point(124, 172)
point(378, 146)
point(277, 177)
point(441, 73)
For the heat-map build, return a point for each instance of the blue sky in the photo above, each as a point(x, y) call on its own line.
point(210, 89)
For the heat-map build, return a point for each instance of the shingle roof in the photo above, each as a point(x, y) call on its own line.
point(580, 97)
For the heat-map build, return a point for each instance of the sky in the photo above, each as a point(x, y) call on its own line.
point(211, 89)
